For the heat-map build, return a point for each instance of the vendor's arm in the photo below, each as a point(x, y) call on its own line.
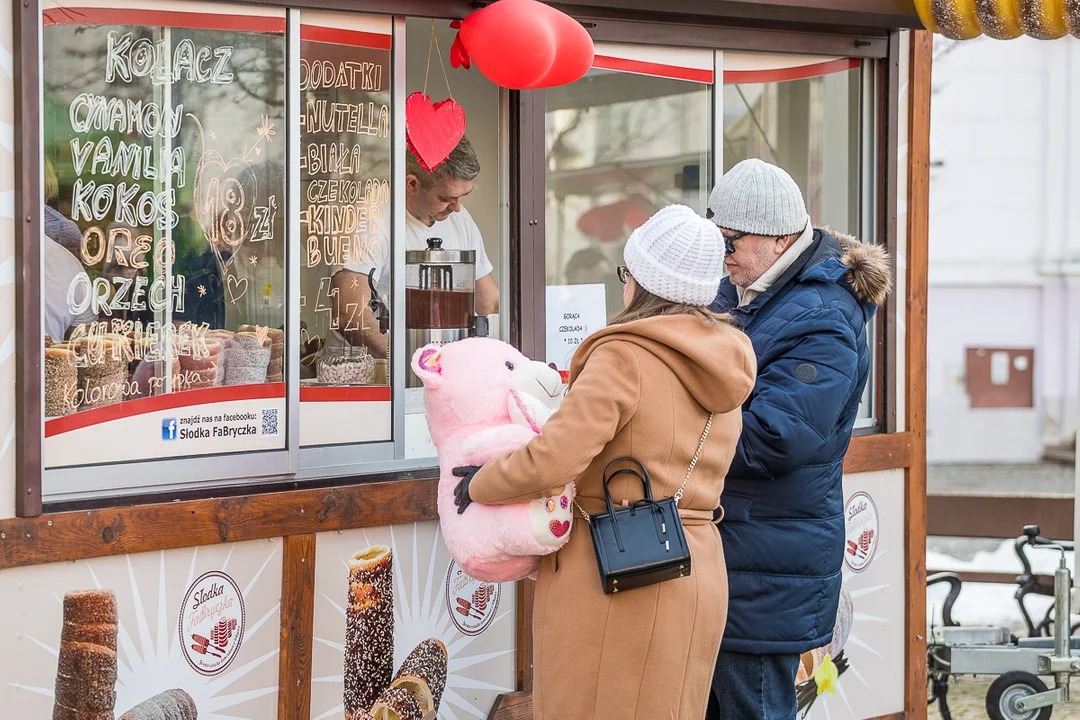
point(352, 315)
point(487, 296)
point(487, 291)
point(602, 400)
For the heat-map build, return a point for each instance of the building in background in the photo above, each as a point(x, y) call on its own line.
point(1004, 298)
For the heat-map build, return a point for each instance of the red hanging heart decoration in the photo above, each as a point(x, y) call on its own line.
point(432, 131)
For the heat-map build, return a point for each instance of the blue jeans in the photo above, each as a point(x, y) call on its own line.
point(753, 687)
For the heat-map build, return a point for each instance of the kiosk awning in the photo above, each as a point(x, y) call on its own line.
point(879, 14)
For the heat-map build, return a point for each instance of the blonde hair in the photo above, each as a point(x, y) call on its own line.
point(646, 305)
point(52, 185)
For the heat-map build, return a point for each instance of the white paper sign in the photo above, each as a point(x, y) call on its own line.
point(573, 313)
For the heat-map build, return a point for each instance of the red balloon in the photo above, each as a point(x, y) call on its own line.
point(573, 50)
point(459, 56)
point(510, 43)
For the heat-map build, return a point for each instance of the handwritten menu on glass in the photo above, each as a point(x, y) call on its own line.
point(164, 240)
point(345, 201)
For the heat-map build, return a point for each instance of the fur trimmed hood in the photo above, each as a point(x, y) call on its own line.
point(870, 268)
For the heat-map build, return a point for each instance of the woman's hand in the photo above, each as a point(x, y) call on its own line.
point(461, 492)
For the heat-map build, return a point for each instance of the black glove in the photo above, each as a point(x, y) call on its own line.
point(461, 492)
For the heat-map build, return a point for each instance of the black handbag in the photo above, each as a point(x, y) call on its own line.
point(643, 543)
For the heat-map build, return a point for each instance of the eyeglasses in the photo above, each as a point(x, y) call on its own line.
point(730, 240)
point(623, 273)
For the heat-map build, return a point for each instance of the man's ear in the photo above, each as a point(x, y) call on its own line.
point(412, 184)
point(786, 242)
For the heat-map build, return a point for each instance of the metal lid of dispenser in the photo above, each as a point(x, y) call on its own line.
point(436, 254)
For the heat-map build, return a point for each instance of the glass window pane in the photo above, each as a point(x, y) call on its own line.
point(459, 204)
point(809, 127)
point(164, 246)
point(619, 147)
point(345, 226)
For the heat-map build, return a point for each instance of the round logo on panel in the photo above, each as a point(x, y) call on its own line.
point(861, 518)
point(471, 603)
point(212, 623)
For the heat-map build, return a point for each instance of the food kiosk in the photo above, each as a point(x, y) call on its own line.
point(217, 487)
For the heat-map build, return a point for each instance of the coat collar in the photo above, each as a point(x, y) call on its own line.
point(727, 299)
point(821, 262)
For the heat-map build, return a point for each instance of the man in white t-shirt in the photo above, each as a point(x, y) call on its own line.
point(432, 209)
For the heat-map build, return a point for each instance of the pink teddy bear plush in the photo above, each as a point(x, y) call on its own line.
point(484, 399)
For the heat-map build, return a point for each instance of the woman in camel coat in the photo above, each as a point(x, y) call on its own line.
point(644, 387)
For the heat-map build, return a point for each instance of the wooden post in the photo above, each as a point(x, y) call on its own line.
point(29, 197)
point(297, 627)
point(918, 210)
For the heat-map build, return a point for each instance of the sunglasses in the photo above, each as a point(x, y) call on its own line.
point(730, 240)
point(623, 273)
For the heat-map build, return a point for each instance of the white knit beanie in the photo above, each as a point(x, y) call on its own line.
point(677, 255)
point(759, 198)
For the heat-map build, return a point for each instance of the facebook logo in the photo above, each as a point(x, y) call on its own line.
point(168, 429)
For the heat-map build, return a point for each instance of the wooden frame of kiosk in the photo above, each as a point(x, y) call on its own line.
point(270, 500)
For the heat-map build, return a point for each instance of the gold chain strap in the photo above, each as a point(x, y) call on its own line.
point(693, 463)
point(689, 470)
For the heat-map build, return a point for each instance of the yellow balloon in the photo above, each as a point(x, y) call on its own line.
point(1043, 19)
point(999, 19)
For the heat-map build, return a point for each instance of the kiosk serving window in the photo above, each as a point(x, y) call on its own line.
point(230, 221)
point(346, 303)
point(224, 247)
point(164, 248)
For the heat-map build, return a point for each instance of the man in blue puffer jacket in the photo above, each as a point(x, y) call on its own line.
point(804, 296)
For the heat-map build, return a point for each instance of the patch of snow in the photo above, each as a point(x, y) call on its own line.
point(990, 604)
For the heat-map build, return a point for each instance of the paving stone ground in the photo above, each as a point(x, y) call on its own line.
point(1040, 478)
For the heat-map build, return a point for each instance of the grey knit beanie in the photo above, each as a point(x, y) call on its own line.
point(759, 198)
point(677, 255)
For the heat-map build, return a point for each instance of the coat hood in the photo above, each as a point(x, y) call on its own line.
point(868, 274)
point(716, 364)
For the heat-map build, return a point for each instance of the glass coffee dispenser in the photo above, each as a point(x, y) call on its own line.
point(440, 292)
